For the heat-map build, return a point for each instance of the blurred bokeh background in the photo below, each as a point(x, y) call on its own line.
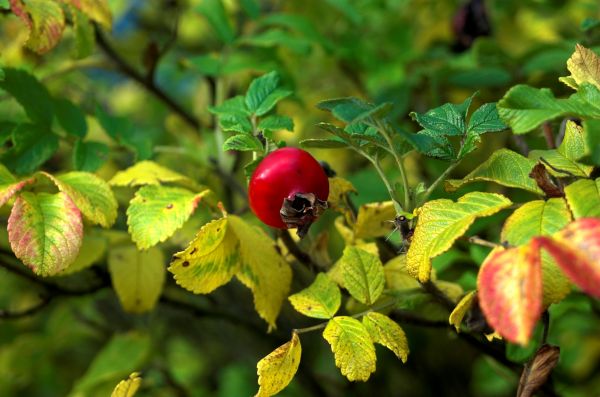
point(417, 54)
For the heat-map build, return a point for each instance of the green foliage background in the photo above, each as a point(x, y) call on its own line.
point(399, 51)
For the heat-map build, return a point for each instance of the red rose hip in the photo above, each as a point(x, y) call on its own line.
point(288, 189)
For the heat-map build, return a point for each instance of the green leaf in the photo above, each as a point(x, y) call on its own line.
point(324, 143)
point(348, 9)
point(274, 37)
point(574, 144)
point(148, 173)
point(236, 123)
point(251, 7)
point(45, 231)
point(448, 119)
point(486, 119)
point(386, 332)
point(277, 370)
point(243, 143)
point(345, 109)
point(30, 93)
point(137, 276)
point(264, 93)
point(124, 132)
point(33, 145)
point(9, 185)
point(156, 212)
point(119, 357)
point(321, 299)
point(560, 164)
point(251, 166)
point(215, 13)
point(70, 117)
point(583, 197)
point(524, 108)
point(263, 269)
point(128, 387)
point(92, 195)
point(89, 155)
point(45, 21)
point(352, 347)
point(541, 218)
point(85, 39)
point(441, 222)
point(592, 134)
point(504, 167)
point(231, 107)
point(363, 274)
point(276, 122)
point(210, 260)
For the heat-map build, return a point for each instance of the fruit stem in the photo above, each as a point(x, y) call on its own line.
point(220, 91)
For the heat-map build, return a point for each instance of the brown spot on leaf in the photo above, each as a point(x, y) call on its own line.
point(169, 206)
point(185, 264)
point(193, 251)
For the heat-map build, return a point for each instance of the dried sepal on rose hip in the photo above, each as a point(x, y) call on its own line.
point(289, 189)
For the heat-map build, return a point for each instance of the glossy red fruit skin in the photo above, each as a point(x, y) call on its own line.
point(280, 175)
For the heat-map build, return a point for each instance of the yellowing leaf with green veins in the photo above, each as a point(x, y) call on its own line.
point(584, 66)
point(210, 260)
point(583, 197)
point(277, 370)
point(336, 271)
point(92, 249)
point(363, 274)
point(156, 212)
point(45, 231)
point(441, 222)
point(352, 347)
point(262, 269)
point(96, 10)
point(137, 276)
point(9, 185)
point(374, 220)
point(461, 310)
point(338, 189)
point(44, 19)
point(397, 276)
point(504, 167)
point(388, 333)
point(92, 195)
point(148, 173)
point(321, 299)
point(541, 218)
point(128, 387)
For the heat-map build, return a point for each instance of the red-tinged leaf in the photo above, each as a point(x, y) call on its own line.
point(45, 231)
point(96, 10)
point(9, 185)
point(510, 291)
point(45, 20)
point(576, 249)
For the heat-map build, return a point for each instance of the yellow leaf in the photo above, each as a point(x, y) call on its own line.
point(352, 347)
point(374, 220)
point(128, 387)
point(388, 333)
point(396, 275)
point(336, 273)
point(441, 222)
point(262, 269)
point(363, 274)
point(321, 299)
point(137, 276)
point(148, 173)
point(461, 309)
point(96, 10)
point(277, 370)
point(344, 231)
point(584, 66)
point(338, 189)
point(210, 260)
point(541, 218)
